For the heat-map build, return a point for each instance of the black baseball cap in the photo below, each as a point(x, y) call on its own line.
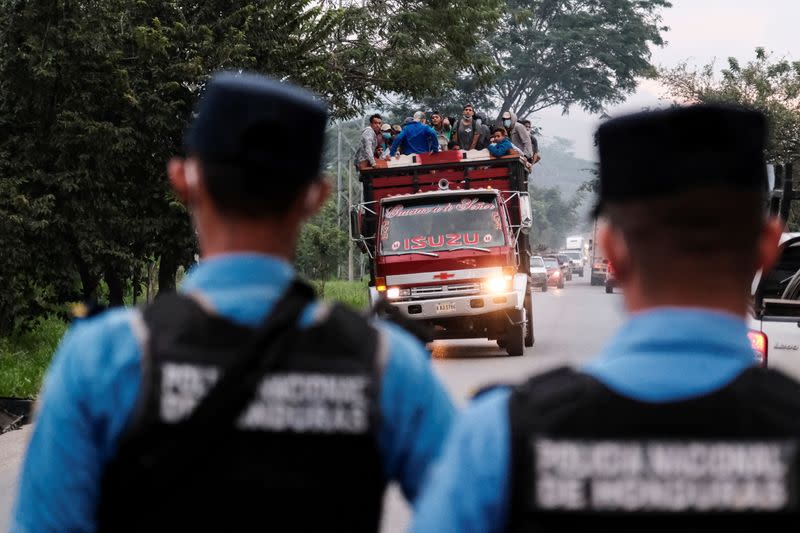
point(652, 154)
point(259, 124)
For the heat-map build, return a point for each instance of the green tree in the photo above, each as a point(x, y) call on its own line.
point(553, 216)
point(322, 246)
point(766, 83)
point(561, 53)
point(94, 96)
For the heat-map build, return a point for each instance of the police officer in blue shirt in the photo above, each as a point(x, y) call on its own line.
point(671, 427)
point(238, 403)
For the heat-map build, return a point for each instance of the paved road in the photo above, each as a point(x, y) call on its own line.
point(570, 325)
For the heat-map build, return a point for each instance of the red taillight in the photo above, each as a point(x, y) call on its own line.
point(758, 340)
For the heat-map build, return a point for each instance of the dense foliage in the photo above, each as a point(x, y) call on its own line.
point(94, 96)
point(768, 84)
point(559, 53)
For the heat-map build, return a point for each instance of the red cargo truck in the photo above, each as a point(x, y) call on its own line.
point(447, 238)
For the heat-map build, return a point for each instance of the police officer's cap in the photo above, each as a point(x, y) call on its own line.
point(248, 121)
point(652, 154)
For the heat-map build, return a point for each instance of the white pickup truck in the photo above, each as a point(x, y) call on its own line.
point(775, 318)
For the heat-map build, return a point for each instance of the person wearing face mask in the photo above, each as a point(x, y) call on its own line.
point(386, 140)
point(518, 134)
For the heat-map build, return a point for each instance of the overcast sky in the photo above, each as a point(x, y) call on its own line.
point(700, 31)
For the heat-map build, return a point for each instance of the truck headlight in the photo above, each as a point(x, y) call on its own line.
point(394, 293)
point(497, 284)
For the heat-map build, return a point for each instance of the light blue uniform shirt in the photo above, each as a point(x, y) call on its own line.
point(93, 383)
point(658, 356)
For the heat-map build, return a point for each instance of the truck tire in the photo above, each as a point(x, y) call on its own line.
point(580, 273)
point(609, 289)
point(529, 338)
point(544, 287)
point(515, 340)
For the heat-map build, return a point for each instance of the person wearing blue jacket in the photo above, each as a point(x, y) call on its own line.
point(239, 400)
point(500, 144)
point(416, 138)
point(671, 427)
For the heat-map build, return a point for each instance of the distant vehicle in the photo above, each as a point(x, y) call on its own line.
point(575, 242)
point(566, 265)
point(538, 273)
point(599, 263)
point(611, 281)
point(775, 314)
point(577, 260)
point(554, 274)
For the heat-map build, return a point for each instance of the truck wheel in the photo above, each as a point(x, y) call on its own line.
point(561, 284)
point(609, 289)
point(529, 339)
point(544, 287)
point(580, 273)
point(515, 340)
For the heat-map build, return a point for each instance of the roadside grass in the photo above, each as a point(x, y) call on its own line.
point(25, 356)
point(352, 293)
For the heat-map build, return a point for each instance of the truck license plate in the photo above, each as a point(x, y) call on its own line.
point(446, 307)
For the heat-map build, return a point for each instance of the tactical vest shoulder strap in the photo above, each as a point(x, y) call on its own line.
point(542, 392)
point(230, 394)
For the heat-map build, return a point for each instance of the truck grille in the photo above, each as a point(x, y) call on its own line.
point(432, 291)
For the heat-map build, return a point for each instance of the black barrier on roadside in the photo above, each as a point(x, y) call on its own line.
point(14, 413)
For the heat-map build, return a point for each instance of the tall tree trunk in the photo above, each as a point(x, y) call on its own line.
point(166, 272)
point(137, 272)
point(115, 288)
point(89, 280)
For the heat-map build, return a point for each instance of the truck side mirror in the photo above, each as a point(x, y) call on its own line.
point(356, 219)
point(525, 215)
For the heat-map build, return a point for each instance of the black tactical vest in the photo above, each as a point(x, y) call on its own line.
point(302, 456)
point(584, 458)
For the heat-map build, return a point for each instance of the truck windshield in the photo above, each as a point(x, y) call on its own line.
point(471, 222)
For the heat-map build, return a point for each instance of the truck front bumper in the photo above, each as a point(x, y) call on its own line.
point(474, 305)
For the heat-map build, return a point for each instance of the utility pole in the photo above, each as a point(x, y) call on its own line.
point(349, 207)
point(338, 172)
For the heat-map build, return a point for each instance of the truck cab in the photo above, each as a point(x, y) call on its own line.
point(448, 244)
